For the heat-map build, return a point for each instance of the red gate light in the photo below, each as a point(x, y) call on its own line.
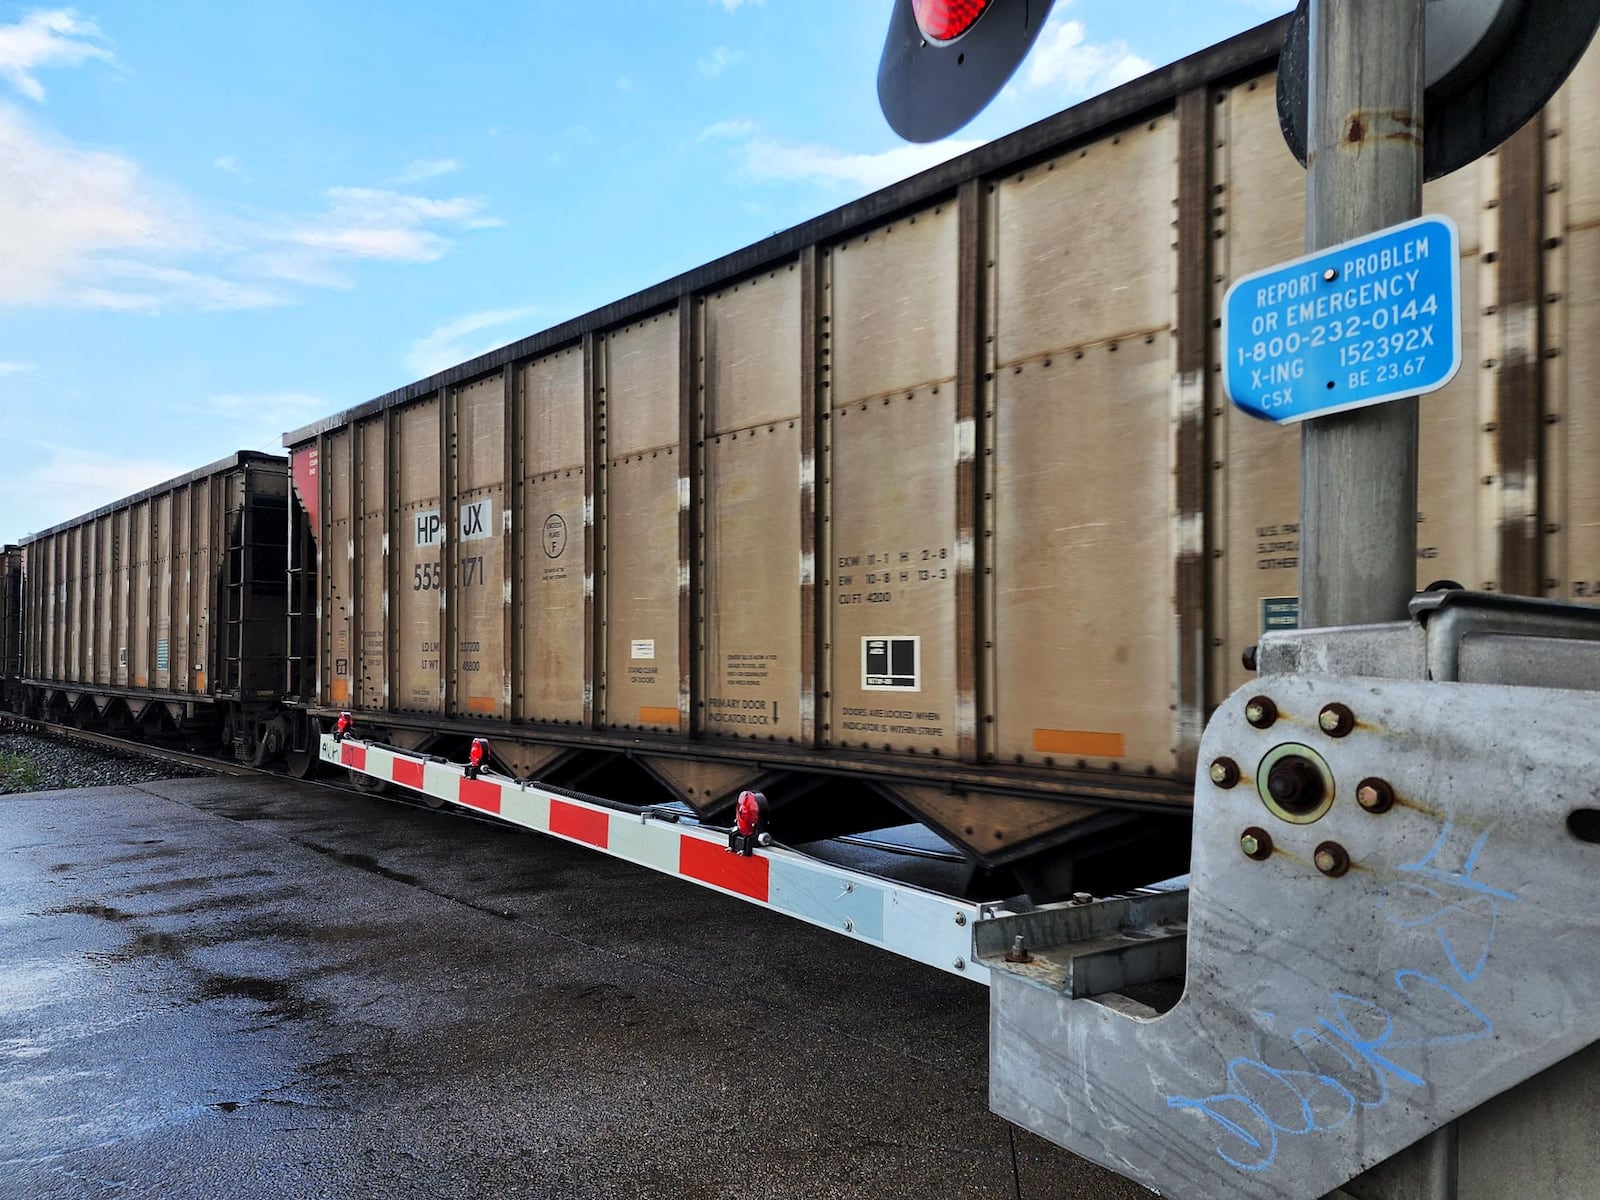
point(342, 726)
point(747, 814)
point(946, 20)
point(477, 756)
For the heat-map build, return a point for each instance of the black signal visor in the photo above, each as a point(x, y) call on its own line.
point(930, 89)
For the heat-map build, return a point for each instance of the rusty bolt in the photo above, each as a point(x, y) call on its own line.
point(1336, 720)
point(1249, 657)
point(1019, 950)
point(1261, 712)
point(1332, 859)
point(1224, 772)
point(1256, 843)
point(1375, 795)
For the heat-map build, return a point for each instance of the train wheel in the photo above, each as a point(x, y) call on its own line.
point(302, 764)
point(367, 784)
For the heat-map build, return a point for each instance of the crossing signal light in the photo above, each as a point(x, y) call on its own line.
point(946, 20)
point(944, 60)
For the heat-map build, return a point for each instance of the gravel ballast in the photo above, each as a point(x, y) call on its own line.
point(30, 763)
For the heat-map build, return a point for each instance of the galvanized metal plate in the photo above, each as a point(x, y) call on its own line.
point(1328, 1022)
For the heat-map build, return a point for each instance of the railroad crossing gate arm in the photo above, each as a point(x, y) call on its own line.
point(898, 917)
point(1392, 919)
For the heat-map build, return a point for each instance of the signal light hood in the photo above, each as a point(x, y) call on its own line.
point(944, 60)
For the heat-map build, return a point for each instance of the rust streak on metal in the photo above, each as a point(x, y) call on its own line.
point(1382, 125)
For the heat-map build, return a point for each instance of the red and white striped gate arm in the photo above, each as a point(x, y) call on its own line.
point(905, 920)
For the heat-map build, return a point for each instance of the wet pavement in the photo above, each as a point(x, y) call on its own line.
point(254, 988)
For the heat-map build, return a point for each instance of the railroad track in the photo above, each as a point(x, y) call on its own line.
point(72, 735)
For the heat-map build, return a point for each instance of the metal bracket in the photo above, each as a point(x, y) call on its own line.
point(1354, 981)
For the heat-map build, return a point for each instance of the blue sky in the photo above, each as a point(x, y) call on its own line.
point(220, 221)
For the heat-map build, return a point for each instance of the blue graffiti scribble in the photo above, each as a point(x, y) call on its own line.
point(1463, 912)
point(1357, 1048)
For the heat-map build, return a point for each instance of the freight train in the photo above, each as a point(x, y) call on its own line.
point(931, 508)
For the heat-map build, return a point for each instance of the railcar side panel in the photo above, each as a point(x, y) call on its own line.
point(479, 678)
point(418, 622)
point(122, 607)
point(556, 661)
point(749, 609)
point(889, 452)
point(372, 565)
point(139, 641)
point(643, 578)
point(1083, 545)
point(162, 566)
point(1568, 318)
point(338, 555)
point(100, 615)
point(204, 654)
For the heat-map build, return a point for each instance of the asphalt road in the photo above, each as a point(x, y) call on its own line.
point(223, 988)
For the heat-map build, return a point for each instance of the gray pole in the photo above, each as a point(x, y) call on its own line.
point(1358, 470)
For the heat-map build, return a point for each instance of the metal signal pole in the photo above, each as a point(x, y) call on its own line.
point(1358, 470)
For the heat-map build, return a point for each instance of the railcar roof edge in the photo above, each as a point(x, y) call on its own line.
point(1243, 54)
point(238, 458)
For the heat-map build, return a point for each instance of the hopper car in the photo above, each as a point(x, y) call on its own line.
point(164, 612)
point(10, 623)
point(929, 509)
point(933, 508)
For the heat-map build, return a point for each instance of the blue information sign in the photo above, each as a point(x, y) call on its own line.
point(1375, 319)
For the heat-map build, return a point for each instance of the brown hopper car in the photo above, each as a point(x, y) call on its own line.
point(166, 610)
point(935, 503)
point(931, 507)
point(10, 624)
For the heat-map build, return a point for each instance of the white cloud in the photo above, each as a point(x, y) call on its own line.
point(1065, 61)
point(452, 343)
point(62, 207)
point(430, 168)
point(718, 61)
point(53, 38)
point(741, 127)
point(88, 229)
point(165, 286)
point(372, 224)
point(17, 368)
point(66, 481)
point(772, 161)
point(230, 164)
point(258, 420)
point(736, 5)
